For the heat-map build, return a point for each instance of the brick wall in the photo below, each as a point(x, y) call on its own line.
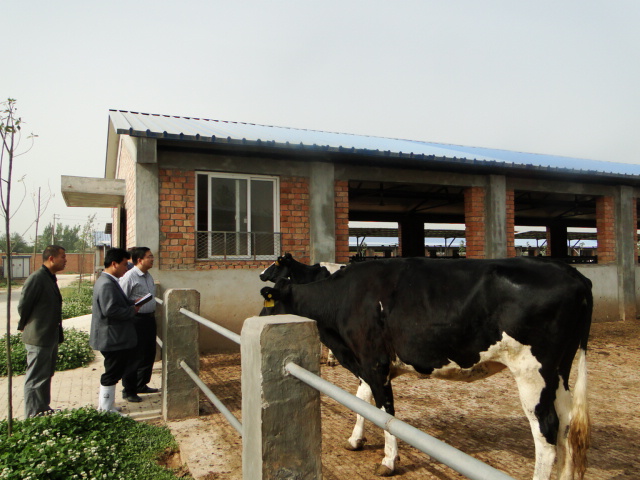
point(342, 221)
point(474, 214)
point(178, 223)
point(605, 223)
point(127, 171)
point(294, 217)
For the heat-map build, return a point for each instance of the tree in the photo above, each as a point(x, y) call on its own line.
point(18, 243)
point(10, 131)
point(66, 236)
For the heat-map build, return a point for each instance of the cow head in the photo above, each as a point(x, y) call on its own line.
point(278, 269)
point(274, 296)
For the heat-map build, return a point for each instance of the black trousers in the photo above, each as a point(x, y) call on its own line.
point(115, 365)
point(138, 374)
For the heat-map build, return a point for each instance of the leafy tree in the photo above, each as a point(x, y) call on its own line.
point(67, 236)
point(18, 244)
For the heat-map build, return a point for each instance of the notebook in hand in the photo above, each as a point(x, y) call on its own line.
point(143, 300)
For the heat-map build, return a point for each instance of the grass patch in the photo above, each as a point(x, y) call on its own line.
point(76, 300)
point(74, 352)
point(85, 443)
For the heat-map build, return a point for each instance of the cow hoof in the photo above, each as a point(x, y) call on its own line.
point(382, 471)
point(359, 445)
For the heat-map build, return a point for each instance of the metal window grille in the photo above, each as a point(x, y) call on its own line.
point(237, 245)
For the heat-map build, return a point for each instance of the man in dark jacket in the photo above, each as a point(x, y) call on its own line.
point(40, 310)
point(112, 325)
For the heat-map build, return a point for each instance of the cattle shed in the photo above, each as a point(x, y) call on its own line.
point(217, 201)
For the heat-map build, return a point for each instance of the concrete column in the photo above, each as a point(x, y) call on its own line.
point(147, 196)
point(412, 237)
point(180, 337)
point(496, 217)
point(281, 436)
point(625, 227)
point(322, 222)
point(557, 234)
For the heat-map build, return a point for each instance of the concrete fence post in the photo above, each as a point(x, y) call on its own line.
point(180, 343)
point(281, 436)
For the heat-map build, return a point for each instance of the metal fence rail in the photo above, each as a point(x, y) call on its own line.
point(462, 463)
point(201, 385)
point(215, 400)
point(213, 326)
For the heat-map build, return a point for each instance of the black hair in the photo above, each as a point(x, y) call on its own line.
point(52, 251)
point(115, 255)
point(138, 253)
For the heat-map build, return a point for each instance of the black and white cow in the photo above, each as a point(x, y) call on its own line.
point(287, 267)
point(461, 320)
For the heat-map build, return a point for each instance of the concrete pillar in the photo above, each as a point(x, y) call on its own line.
point(281, 436)
point(322, 222)
point(147, 226)
point(412, 237)
point(557, 234)
point(180, 337)
point(625, 228)
point(496, 217)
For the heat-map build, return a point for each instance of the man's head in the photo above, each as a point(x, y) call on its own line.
point(142, 258)
point(115, 261)
point(54, 258)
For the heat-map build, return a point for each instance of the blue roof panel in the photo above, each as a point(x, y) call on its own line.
point(200, 129)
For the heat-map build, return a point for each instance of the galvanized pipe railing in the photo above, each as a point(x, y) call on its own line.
point(213, 326)
point(215, 400)
point(201, 385)
point(462, 463)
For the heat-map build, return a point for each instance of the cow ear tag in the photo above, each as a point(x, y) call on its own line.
point(269, 303)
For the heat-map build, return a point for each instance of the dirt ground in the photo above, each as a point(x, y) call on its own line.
point(483, 419)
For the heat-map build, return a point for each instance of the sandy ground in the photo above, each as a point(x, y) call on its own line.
point(483, 419)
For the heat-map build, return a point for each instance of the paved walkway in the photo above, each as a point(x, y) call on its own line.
point(80, 387)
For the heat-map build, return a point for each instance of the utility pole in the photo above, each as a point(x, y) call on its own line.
point(53, 230)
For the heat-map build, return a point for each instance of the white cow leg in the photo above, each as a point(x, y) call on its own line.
point(388, 465)
point(563, 408)
point(357, 439)
point(530, 389)
point(331, 359)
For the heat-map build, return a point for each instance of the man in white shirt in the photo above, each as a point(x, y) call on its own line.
point(136, 283)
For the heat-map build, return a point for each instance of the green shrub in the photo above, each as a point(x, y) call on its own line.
point(84, 443)
point(76, 301)
point(74, 352)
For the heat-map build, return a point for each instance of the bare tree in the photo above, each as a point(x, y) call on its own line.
point(10, 131)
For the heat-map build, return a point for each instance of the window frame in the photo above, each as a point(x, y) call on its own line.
point(275, 180)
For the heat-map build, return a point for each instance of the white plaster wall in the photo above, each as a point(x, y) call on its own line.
point(227, 297)
point(605, 291)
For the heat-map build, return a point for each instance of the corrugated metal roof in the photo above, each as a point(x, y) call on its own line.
point(218, 131)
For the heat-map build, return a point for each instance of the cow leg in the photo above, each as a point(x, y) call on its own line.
point(383, 395)
point(539, 409)
point(563, 408)
point(331, 359)
point(357, 439)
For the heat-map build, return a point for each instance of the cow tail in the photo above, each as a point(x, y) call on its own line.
point(580, 426)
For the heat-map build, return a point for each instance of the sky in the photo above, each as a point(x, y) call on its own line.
point(545, 77)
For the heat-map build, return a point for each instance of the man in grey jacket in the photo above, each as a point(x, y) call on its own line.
point(112, 325)
point(40, 310)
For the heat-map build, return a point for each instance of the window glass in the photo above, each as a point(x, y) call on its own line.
point(236, 216)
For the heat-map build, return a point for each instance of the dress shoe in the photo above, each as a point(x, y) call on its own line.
point(148, 389)
point(132, 397)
